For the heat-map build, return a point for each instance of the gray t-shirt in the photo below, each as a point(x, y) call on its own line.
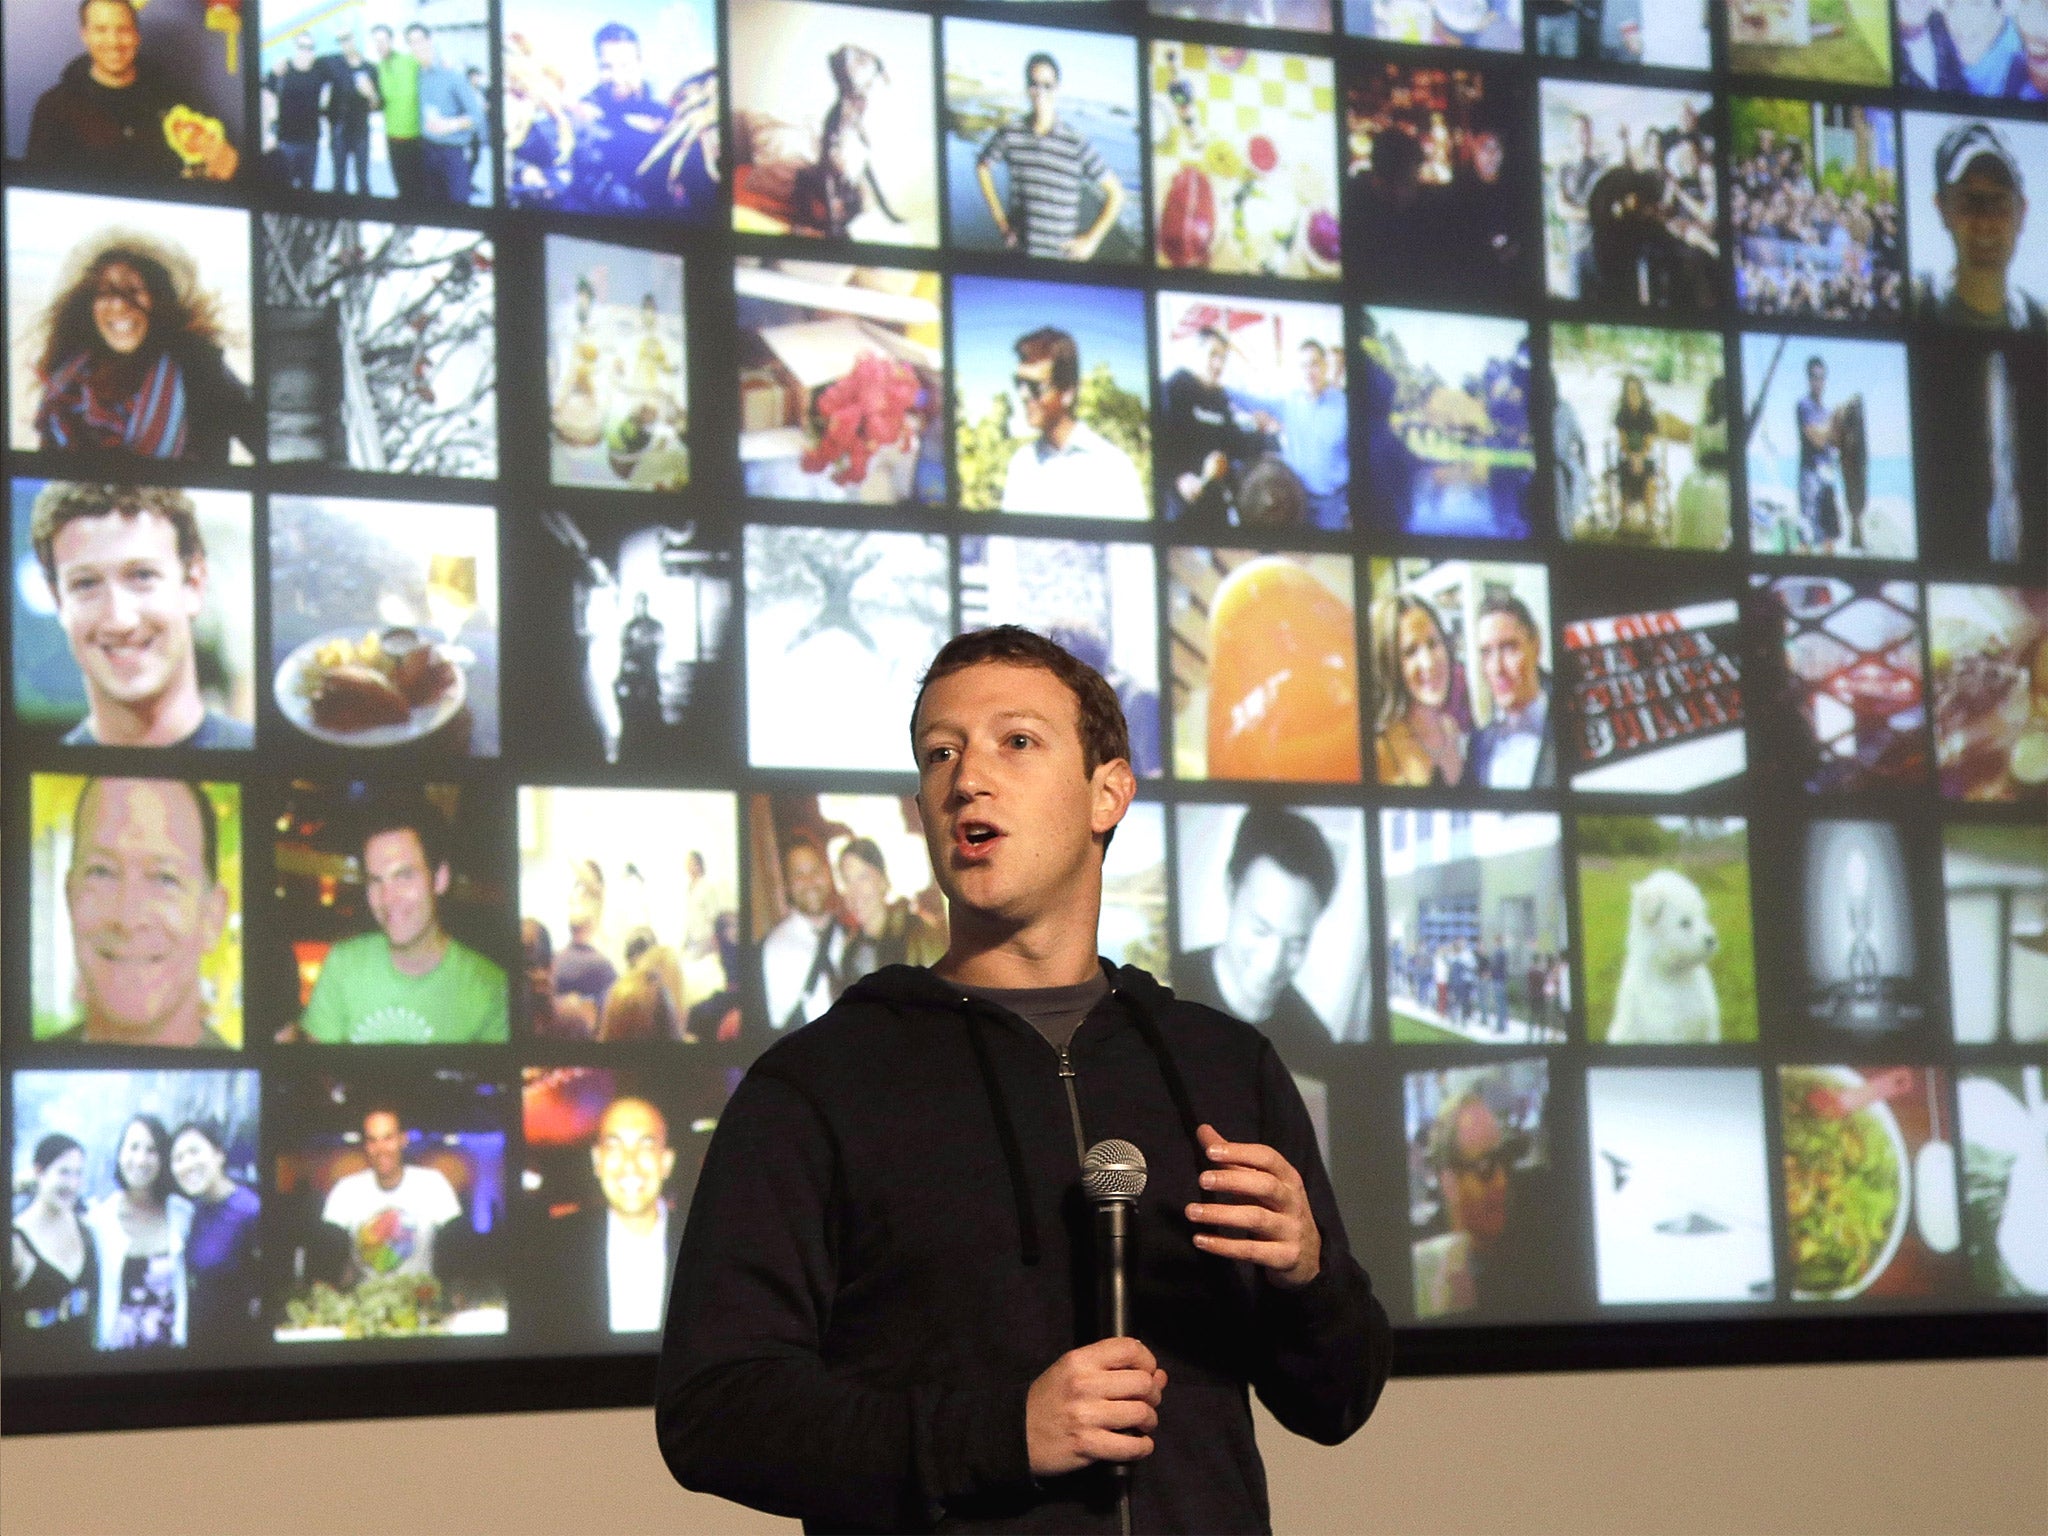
point(1055, 1012)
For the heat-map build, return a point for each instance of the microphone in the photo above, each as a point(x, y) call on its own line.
point(1112, 1177)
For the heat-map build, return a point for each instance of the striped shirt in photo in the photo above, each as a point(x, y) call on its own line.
point(1047, 172)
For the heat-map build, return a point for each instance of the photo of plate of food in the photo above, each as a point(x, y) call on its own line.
point(1846, 1180)
point(358, 687)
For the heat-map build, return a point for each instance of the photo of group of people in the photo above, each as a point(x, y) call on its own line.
point(628, 934)
point(1476, 941)
point(1630, 207)
point(614, 116)
point(1254, 428)
point(1556, 489)
point(1436, 178)
point(1814, 204)
point(376, 99)
point(135, 1224)
point(842, 886)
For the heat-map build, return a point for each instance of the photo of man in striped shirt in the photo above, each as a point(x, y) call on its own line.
point(1050, 166)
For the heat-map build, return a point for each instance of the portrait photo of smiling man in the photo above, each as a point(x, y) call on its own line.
point(156, 635)
point(142, 953)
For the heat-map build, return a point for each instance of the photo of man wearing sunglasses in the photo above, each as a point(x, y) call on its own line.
point(1069, 468)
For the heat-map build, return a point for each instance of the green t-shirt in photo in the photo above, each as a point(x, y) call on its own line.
point(398, 82)
point(361, 998)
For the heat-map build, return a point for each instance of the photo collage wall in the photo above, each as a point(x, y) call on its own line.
point(1561, 493)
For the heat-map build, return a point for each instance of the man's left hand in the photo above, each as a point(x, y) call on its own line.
point(1268, 1222)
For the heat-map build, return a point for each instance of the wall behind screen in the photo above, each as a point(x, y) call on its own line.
point(1907, 1449)
point(1534, 495)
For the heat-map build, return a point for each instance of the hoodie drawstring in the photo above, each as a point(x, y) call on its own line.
point(1176, 1086)
point(1006, 1133)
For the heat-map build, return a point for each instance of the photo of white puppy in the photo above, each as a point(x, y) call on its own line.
point(1666, 995)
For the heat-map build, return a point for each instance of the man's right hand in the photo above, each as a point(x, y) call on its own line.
point(1096, 1403)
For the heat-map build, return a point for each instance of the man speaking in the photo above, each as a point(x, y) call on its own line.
point(882, 1318)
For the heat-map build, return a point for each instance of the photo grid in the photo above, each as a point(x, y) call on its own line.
point(1610, 655)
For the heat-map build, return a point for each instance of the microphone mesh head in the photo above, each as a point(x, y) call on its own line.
point(1113, 1170)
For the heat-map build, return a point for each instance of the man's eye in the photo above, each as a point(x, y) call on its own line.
point(1019, 739)
point(937, 754)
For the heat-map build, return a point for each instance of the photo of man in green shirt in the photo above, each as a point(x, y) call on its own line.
point(411, 982)
point(398, 86)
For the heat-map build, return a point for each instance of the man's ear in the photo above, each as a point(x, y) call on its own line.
point(1115, 786)
point(441, 878)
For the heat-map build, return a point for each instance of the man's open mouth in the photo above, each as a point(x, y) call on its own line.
point(975, 837)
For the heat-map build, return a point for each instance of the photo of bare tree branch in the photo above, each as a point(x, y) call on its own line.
point(381, 346)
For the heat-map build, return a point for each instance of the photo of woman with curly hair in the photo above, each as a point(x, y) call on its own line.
point(127, 346)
